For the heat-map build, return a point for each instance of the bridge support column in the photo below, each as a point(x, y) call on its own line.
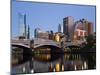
point(62, 46)
point(32, 44)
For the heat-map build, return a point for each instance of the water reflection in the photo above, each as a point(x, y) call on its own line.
point(46, 57)
point(66, 62)
point(40, 63)
point(20, 56)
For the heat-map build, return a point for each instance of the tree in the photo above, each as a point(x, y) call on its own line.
point(90, 39)
point(90, 46)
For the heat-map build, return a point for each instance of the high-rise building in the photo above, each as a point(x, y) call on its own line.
point(90, 28)
point(59, 28)
point(22, 26)
point(28, 32)
point(68, 26)
point(36, 31)
point(25, 33)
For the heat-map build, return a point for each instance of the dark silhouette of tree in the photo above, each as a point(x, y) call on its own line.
point(90, 46)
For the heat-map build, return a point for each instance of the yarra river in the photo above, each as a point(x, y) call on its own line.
point(40, 63)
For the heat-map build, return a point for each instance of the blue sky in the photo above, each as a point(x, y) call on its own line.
point(47, 16)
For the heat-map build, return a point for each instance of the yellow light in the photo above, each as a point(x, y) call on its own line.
point(58, 38)
point(57, 67)
point(62, 67)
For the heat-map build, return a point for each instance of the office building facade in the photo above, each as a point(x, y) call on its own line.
point(68, 23)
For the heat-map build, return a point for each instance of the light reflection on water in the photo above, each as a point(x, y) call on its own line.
point(40, 63)
point(66, 62)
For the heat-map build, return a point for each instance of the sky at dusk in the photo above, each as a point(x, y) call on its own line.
point(47, 16)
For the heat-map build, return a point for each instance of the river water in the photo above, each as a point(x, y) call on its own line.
point(40, 63)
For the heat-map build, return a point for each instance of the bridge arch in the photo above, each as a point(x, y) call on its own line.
point(20, 53)
point(74, 48)
point(49, 48)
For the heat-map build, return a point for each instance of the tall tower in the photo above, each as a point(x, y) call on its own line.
point(59, 28)
point(22, 26)
point(28, 32)
point(68, 27)
point(62, 28)
point(25, 34)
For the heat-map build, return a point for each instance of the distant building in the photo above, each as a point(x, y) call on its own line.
point(43, 35)
point(59, 28)
point(28, 32)
point(90, 28)
point(38, 33)
point(58, 36)
point(51, 35)
point(80, 29)
point(23, 33)
point(68, 24)
point(79, 34)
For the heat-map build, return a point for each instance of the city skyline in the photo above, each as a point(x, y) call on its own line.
point(48, 16)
